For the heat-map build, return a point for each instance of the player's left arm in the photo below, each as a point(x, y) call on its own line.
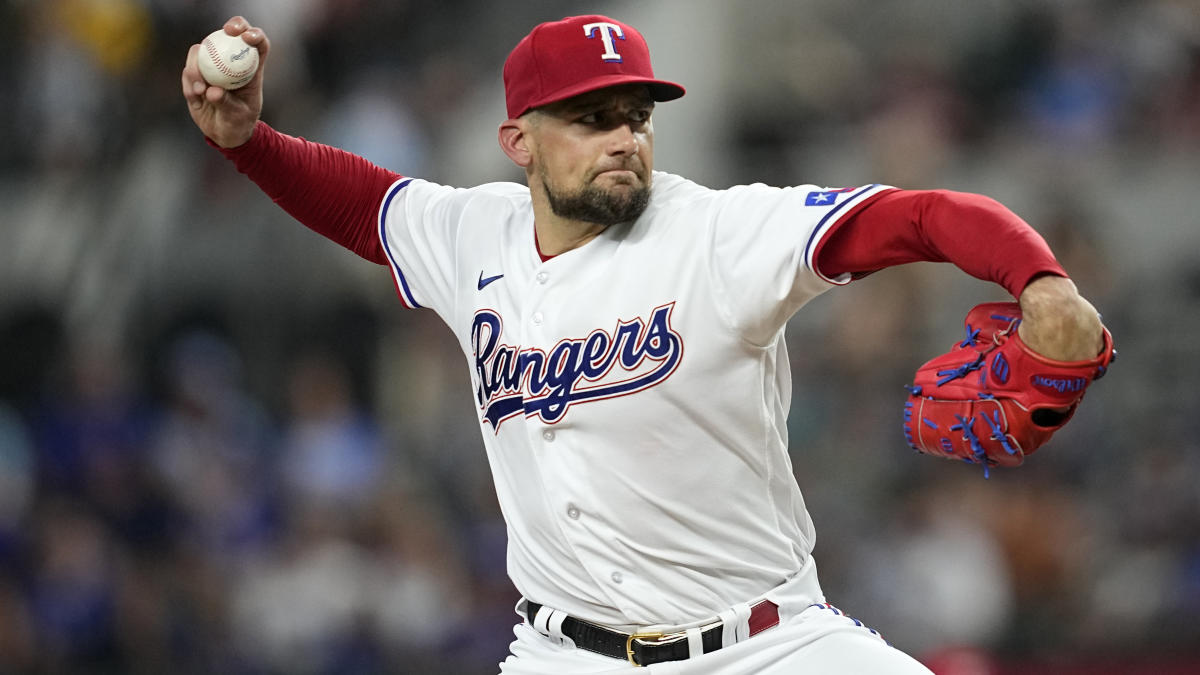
point(984, 239)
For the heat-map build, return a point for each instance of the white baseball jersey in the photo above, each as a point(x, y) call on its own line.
point(632, 393)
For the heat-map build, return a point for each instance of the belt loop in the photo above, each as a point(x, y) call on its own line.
point(735, 624)
point(549, 622)
point(728, 627)
point(540, 620)
point(554, 624)
point(743, 620)
point(695, 639)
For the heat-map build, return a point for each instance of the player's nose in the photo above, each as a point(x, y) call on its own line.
point(622, 140)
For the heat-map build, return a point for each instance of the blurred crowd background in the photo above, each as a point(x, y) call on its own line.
point(225, 447)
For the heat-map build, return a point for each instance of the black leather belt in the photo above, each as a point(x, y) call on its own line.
point(643, 649)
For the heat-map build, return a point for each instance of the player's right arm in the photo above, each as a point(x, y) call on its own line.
point(331, 191)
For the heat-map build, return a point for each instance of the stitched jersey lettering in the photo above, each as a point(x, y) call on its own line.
point(637, 355)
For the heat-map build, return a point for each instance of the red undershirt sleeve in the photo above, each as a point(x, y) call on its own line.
point(976, 233)
point(331, 191)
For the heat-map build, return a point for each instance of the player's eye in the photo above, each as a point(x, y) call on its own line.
point(592, 118)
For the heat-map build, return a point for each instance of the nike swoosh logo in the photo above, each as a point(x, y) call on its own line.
point(485, 281)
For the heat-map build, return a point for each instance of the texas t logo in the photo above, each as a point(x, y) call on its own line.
point(607, 32)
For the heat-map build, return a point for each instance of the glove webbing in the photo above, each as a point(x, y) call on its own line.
point(966, 426)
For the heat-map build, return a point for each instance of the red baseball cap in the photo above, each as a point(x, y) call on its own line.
point(561, 59)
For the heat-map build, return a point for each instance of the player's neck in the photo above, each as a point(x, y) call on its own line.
point(557, 238)
point(556, 235)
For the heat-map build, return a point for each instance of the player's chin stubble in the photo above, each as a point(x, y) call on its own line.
point(593, 204)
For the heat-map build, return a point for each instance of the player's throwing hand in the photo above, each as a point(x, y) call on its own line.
point(227, 117)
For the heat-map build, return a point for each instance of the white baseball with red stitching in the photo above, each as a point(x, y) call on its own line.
point(226, 61)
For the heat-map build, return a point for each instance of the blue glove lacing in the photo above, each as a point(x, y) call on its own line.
point(964, 425)
point(961, 371)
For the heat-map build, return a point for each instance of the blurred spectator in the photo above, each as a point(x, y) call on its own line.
point(91, 433)
point(939, 579)
point(373, 119)
point(212, 450)
point(424, 592)
point(71, 590)
point(332, 450)
point(295, 609)
point(1074, 98)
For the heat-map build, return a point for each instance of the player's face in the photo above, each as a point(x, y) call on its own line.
point(594, 154)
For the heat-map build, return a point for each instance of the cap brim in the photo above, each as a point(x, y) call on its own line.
point(660, 90)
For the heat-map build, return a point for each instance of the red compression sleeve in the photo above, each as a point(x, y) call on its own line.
point(976, 233)
point(331, 191)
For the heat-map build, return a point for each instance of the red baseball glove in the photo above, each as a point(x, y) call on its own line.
point(991, 400)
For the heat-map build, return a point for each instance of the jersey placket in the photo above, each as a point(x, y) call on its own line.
point(554, 441)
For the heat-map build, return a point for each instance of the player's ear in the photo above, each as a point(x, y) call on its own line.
point(514, 141)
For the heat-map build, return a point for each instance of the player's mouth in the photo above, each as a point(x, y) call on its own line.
point(619, 175)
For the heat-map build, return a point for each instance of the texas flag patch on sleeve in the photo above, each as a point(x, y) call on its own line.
point(824, 197)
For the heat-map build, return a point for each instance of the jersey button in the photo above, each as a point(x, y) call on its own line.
point(573, 512)
point(617, 578)
point(548, 435)
point(542, 277)
point(537, 318)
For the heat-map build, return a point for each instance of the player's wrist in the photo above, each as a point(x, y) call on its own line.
point(1058, 322)
point(236, 138)
point(236, 143)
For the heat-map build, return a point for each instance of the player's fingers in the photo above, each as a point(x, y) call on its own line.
point(193, 85)
point(236, 25)
point(214, 95)
point(256, 37)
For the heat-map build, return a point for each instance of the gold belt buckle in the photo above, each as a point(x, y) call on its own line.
point(639, 636)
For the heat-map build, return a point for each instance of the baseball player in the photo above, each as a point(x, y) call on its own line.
point(623, 328)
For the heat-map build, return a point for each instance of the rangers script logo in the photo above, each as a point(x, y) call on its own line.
point(635, 356)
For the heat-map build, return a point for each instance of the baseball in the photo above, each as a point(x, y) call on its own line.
point(226, 61)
